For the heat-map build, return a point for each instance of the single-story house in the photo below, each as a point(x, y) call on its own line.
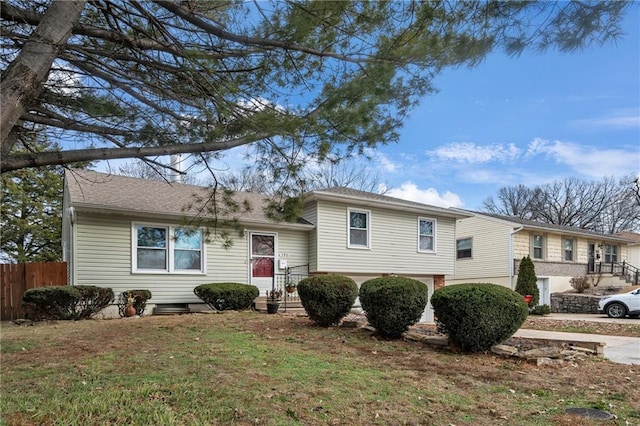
point(489, 248)
point(129, 233)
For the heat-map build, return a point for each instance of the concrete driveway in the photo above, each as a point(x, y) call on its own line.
point(623, 350)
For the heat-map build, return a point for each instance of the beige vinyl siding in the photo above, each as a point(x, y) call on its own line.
point(103, 258)
point(490, 256)
point(393, 245)
point(310, 214)
point(292, 247)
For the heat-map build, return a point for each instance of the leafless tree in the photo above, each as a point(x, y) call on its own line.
point(349, 173)
point(607, 206)
point(512, 201)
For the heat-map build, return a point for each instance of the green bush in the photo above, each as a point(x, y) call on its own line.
point(527, 281)
point(392, 304)
point(227, 296)
point(327, 298)
point(66, 302)
point(540, 310)
point(478, 316)
point(139, 297)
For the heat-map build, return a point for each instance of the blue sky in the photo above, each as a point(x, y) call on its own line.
point(527, 120)
point(521, 120)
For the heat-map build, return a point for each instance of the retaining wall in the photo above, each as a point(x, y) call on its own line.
point(572, 303)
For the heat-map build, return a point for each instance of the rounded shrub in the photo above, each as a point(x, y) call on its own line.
point(92, 300)
point(392, 304)
point(66, 302)
point(478, 316)
point(327, 298)
point(227, 296)
point(139, 297)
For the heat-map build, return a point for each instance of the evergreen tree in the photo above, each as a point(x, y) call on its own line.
point(295, 80)
point(527, 281)
point(31, 212)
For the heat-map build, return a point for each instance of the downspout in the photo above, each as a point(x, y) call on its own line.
point(72, 246)
point(511, 271)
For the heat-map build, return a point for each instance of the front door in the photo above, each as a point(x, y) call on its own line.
point(262, 258)
point(592, 258)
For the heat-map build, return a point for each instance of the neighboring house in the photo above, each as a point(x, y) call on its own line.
point(129, 233)
point(634, 247)
point(490, 248)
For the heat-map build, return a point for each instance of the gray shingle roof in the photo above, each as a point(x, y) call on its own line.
point(340, 192)
point(552, 227)
point(108, 192)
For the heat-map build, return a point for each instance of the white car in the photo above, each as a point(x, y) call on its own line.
point(620, 305)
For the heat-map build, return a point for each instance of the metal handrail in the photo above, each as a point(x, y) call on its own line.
point(621, 269)
point(293, 275)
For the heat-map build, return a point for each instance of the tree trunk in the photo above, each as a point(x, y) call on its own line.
point(23, 80)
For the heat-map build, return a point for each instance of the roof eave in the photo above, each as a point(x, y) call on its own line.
point(158, 216)
point(527, 227)
point(439, 211)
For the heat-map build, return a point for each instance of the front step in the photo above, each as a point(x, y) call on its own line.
point(285, 306)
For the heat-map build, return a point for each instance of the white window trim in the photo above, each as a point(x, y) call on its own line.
point(170, 251)
point(435, 233)
point(355, 246)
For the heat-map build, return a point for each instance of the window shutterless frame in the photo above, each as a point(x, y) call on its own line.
point(464, 248)
point(167, 249)
point(537, 246)
point(358, 228)
point(426, 235)
point(568, 249)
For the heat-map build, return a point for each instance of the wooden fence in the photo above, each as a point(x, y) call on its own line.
point(16, 278)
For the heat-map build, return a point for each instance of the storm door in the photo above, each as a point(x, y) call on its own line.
point(263, 249)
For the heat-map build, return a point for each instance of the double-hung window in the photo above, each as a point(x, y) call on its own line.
point(359, 233)
point(567, 249)
point(538, 246)
point(426, 235)
point(610, 253)
point(463, 248)
point(168, 249)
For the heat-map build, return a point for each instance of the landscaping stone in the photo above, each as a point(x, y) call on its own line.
point(505, 350)
point(574, 303)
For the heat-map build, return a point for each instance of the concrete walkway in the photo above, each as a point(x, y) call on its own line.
point(591, 318)
point(623, 350)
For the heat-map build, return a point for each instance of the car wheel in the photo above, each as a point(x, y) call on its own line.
point(616, 310)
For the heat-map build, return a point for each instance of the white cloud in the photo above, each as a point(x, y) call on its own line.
point(621, 119)
point(468, 152)
point(409, 191)
point(587, 160)
point(386, 163)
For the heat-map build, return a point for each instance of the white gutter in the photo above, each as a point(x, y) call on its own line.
point(74, 245)
point(511, 269)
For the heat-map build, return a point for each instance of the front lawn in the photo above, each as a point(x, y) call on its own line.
point(250, 368)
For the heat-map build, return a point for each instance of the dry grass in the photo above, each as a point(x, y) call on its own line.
point(251, 368)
